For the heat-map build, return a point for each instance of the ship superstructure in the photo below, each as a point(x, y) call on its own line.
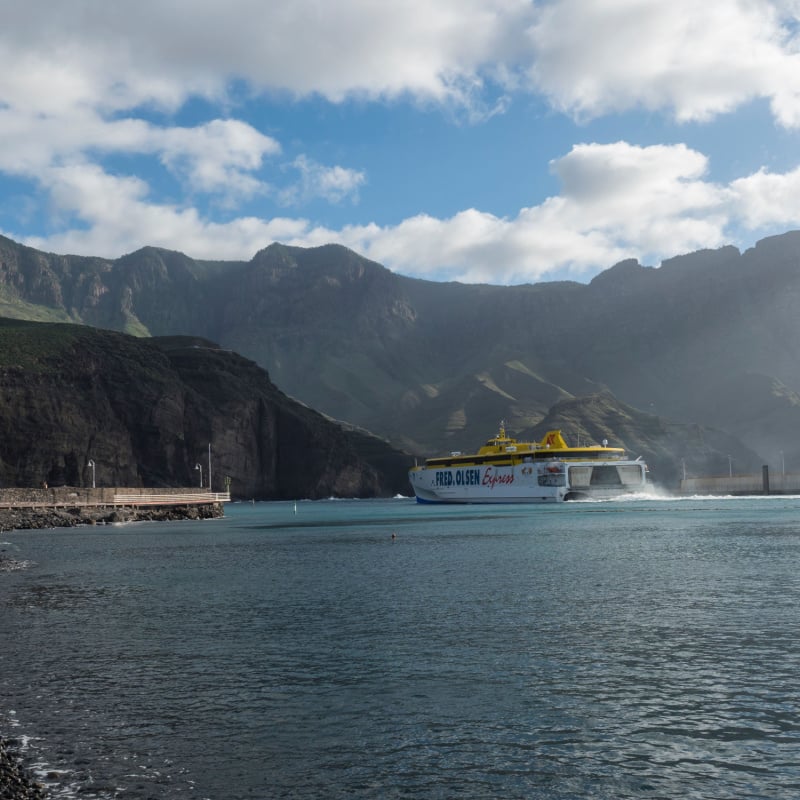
point(505, 470)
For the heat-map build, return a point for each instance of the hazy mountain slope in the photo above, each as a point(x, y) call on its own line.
point(391, 353)
point(667, 447)
point(410, 357)
point(664, 335)
point(331, 325)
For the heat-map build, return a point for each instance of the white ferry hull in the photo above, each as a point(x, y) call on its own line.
point(544, 482)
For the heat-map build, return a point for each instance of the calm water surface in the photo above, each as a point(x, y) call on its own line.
point(646, 649)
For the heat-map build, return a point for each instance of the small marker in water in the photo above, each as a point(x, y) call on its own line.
point(394, 536)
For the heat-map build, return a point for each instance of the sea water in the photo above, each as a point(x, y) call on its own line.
point(382, 649)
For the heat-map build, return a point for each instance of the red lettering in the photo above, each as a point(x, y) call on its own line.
point(491, 480)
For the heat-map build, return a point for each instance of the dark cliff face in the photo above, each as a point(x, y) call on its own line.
point(145, 412)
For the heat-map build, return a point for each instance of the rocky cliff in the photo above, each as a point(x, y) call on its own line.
point(145, 411)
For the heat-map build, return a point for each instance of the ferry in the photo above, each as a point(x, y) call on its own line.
point(507, 471)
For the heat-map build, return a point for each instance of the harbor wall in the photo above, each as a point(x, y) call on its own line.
point(66, 506)
point(763, 483)
point(73, 496)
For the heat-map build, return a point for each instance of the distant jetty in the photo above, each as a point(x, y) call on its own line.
point(67, 506)
point(762, 483)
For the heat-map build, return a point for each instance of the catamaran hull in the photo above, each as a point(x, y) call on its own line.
point(528, 482)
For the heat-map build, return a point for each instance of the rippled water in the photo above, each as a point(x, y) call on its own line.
point(593, 650)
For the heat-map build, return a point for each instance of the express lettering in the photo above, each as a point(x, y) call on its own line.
point(491, 480)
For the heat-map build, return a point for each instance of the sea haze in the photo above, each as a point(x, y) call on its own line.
point(379, 649)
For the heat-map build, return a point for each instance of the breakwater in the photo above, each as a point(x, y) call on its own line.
point(66, 506)
point(763, 483)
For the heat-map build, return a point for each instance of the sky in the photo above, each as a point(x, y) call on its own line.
point(485, 141)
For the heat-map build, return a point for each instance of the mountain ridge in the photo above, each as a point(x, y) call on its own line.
point(432, 366)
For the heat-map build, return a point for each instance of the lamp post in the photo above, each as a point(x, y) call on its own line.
point(209, 466)
point(91, 464)
point(200, 467)
point(783, 464)
point(730, 467)
point(683, 464)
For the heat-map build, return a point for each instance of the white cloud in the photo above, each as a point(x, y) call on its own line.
point(698, 59)
point(618, 201)
point(765, 199)
point(590, 57)
point(116, 210)
point(212, 157)
point(120, 55)
point(651, 197)
point(216, 157)
point(76, 78)
point(333, 184)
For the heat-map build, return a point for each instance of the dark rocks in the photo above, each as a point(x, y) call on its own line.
point(34, 518)
point(9, 564)
point(16, 782)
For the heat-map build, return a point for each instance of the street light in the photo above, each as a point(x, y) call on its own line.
point(783, 464)
point(90, 463)
point(730, 467)
point(198, 466)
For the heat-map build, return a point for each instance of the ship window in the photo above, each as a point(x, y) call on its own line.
point(579, 476)
point(630, 475)
point(604, 475)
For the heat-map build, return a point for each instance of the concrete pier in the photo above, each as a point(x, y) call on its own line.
point(762, 483)
point(72, 496)
point(67, 506)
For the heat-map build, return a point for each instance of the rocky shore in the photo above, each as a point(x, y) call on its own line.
point(68, 517)
point(16, 782)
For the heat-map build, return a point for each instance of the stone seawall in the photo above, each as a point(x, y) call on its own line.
point(762, 483)
point(65, 506)
point(107, 496)
point(68, 517)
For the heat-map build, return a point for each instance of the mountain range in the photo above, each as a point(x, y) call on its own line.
point(692, 364)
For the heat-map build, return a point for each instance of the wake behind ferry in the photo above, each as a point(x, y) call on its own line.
point(507, 471)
